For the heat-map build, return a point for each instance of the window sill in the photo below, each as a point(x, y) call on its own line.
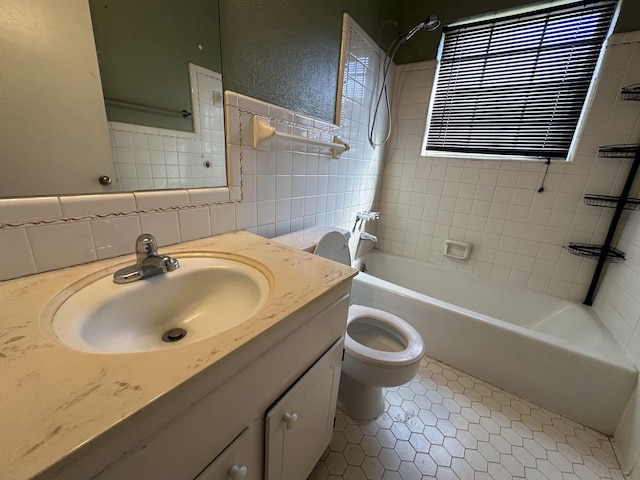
point(480, 157)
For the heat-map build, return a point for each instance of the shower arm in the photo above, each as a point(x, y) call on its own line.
point(430, 23)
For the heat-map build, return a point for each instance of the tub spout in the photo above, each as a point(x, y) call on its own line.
point(368, 236)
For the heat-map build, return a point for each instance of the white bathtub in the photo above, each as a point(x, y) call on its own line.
point(551, 351)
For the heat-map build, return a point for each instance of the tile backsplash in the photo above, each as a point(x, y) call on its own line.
point(271, 192)
point(517, 233)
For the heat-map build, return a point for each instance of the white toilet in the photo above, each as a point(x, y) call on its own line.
point(381, 349)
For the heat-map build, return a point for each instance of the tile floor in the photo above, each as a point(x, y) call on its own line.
point(448, 425)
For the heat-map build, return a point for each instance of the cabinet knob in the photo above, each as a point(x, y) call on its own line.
point(237, 473)
point(290, 419)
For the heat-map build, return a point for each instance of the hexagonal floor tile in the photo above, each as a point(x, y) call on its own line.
point(447, 425)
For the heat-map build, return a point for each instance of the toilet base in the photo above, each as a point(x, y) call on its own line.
point(358, 400)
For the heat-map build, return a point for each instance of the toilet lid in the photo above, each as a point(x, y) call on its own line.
point(334, 246)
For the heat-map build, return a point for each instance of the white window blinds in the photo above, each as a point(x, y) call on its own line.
point(516, 85)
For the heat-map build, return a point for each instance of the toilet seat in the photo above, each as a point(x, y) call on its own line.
point(414, 347)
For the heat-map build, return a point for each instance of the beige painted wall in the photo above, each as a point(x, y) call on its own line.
point(51, 108)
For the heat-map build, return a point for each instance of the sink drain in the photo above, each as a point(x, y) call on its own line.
point(174, 335)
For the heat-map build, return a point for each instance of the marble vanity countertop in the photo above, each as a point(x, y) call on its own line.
point(54, 399)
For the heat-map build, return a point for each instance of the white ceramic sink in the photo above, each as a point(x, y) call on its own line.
point(206, 296)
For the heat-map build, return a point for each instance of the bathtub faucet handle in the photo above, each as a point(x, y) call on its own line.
point(368, 215)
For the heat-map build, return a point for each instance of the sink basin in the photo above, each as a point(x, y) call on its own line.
point(206, 296)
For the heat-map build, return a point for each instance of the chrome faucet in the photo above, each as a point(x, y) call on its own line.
point(148, 262)
point(364, 236)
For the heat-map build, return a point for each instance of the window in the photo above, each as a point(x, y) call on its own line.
point(514, 87)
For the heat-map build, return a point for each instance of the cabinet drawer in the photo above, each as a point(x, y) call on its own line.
point(241, 460)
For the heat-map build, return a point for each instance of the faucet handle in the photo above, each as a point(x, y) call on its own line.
point(147, 244)
point(169, 264)
point(368, 215)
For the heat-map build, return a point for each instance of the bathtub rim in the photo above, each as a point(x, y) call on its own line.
point(611, 352)
point(553, 304)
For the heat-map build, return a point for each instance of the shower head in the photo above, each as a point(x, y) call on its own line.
point(432, 22)
point(429, 24)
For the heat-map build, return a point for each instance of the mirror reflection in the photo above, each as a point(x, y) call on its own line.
point(161, 75)
point(144, 48)
point(160, 66)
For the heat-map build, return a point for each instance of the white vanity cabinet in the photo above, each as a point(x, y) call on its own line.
point(276, 394)
point(298, 429)
point(299, 426)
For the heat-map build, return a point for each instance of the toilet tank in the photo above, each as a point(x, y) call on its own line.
point(308, 238)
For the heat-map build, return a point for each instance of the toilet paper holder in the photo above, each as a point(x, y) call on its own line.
point(457, 249)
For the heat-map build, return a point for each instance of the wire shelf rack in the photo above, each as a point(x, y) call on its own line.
point(609, 201)
point(606, 253)
point(588, 250)
point(631, 92)
point(619, 151)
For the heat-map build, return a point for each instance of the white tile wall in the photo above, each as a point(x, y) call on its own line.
point(618, 305)
point(517, 233)
point(273, 192)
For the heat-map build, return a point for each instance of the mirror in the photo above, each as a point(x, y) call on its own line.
point(160, 66)
point(156, 59)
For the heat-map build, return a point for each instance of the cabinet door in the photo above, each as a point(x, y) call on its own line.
point(241, 460)
point(299, 426)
